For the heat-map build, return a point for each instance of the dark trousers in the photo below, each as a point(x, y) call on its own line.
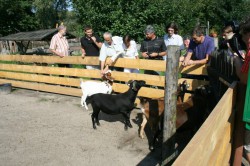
point(150, 72)
point(64, 65)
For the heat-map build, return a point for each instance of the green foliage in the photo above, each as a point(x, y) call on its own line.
point(16, 16)
point(27, 15)
point(122, 17)
point(50, 12)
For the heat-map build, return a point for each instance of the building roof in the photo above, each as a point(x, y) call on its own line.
point(40, 35)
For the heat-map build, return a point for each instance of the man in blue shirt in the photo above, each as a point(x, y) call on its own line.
point(200, 48)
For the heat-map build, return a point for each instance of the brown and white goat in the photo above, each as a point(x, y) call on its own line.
point(153, 109)
point(90, 88)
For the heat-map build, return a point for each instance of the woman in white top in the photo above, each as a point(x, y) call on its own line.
point(130, 51)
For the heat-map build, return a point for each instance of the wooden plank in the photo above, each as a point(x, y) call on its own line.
point(50, 59)
point(227, 155)
point(150, 79)
point(202, 147)
point(223, 157)
point(219, 155)
point(118, 76)
point(145, 64)
point(44, 87)
point(144, 91)
point(51, 70)
point(193, 69)
point(41, 78)
point(170, 102)
point(121, 62)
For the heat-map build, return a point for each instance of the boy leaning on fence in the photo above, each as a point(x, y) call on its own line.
point(200, 48)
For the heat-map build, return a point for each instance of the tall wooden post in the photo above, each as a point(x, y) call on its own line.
point(169, 123)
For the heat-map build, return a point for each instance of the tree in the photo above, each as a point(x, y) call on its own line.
point(125, 17)
point(50, 12)
point(16, 16)
point(131, 16)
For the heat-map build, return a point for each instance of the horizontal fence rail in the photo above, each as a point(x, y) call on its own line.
point(145, 64)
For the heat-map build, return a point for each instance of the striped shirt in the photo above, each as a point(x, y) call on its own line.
point(245, 66)
point(60, 44)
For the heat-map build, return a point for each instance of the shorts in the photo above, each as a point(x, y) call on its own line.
point(247, 141)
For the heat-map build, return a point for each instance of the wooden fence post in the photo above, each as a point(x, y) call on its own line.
point(169, 122)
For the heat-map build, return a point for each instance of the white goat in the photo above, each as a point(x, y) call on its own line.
point(91, 87)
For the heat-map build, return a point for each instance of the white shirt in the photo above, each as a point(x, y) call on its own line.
point(175, 40)
point(130, 52)
point(114, 50)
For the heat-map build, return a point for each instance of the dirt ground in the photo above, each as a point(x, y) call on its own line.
point(38, 128)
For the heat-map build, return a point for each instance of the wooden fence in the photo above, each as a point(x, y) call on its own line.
point(26, 71)
point(210, 146)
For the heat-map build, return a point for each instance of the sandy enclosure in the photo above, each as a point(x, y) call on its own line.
point(38, 128)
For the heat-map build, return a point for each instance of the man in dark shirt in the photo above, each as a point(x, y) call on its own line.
point(91, 45)
point(153, 47)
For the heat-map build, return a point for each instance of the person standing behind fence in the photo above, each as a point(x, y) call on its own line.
point(233, 42)
point(242, 70)
point(90, 45)
point(111, 47)
point(200, 48)
point(152, 47)
point(131, 52)
point(172, 37)
point(186, 42)
point(59, 44)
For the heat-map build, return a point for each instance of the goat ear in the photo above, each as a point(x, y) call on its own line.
point(129, 82)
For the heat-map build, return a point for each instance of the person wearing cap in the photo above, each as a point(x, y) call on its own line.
point(59, 44)
point(153, 47)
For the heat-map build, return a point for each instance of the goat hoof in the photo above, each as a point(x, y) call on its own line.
point(126, 128)
point(130, 126)
point(98, 124)
point(94, 127)
point(151, 148)
point(141, 136)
